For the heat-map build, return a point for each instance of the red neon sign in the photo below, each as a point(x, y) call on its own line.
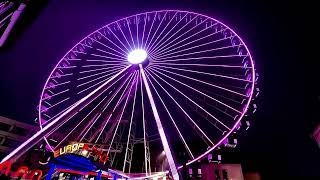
point(22, 171)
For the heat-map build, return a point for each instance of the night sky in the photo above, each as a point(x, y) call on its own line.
point(278, 36)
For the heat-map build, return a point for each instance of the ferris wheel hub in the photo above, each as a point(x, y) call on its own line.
point(137, 56)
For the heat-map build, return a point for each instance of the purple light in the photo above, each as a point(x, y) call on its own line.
point(183, 110)
point(185, 44)
point(151, 49)
point(193, 102)
point(137, 56)
point(201, 93)
point(210, 84)
point(179, 30)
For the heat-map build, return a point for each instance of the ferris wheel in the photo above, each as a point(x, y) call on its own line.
point(160, 82)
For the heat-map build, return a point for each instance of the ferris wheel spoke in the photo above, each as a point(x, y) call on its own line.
point(104, 72)
point(52, 106)
point(198, 91)
point(88, 127)
point(156, 45)
point(124, 36)
point(94, 85)
point(161, 49)
point(150, 42)
point(185, 44)
point(116, 106)
point(121, 57)
point(98, 65)
point(166, 53)
point(156, 41)
point(216, 119)
point(108, 57)
point(118, 39)
point(196, 52)
point(131, 34)
point(105, 36)
point(172, 120)
point(108, 46)
point(66, 67)
point(101, 112)
point(55, 94)
point(155, 16)
point(163, 45)
point(55, 116)
point(103, 50)
point(152, 57)
point(108, 75)
point(62, 75)
point(58, 116)
point(175, 46)
point(99, 130)
point(97, 117)
point(192, 121)
point(144, 29)
point(204, 73)
point(56, 85)
point(100, 69)
point(120, 117)
point(72, 59)
point(130, 126)
point(90, 87)
point(83, 119)
point(101, 60)
point(93, 120)
point(78, 52)
point(137, 37)
point(200, 58)
point(210, 84)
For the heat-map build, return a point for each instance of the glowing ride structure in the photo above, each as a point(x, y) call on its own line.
point(148, 81)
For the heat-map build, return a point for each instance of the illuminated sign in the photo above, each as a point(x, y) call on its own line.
point(71, 148)
point(84, 149)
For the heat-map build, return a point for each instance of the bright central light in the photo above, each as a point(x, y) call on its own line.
point(137, 56)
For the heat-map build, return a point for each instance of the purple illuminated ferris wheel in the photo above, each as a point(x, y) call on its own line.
point(161, 82)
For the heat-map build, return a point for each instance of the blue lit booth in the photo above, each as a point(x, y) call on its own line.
point(80, 160)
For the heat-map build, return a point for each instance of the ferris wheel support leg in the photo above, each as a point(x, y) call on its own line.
point(164, 140)
point(60, 120)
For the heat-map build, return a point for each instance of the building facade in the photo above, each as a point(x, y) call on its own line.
point(13, 133)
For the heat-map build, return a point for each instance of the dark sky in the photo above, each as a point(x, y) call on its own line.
point(278, 35)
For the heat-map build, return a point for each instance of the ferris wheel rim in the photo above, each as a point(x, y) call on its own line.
point(189, 12)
